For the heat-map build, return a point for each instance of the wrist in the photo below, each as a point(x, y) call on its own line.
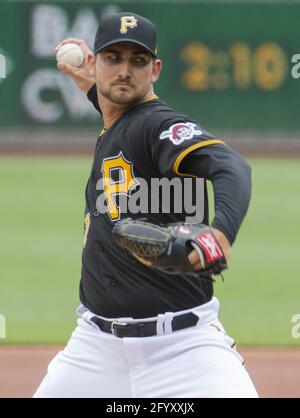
point(223, 241)
point(86, 87)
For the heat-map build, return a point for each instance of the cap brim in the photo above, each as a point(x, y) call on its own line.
point(115, 41)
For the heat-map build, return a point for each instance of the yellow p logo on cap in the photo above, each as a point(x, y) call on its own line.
point(127, 22)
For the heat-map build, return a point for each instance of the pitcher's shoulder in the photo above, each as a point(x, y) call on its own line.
point(157, 114)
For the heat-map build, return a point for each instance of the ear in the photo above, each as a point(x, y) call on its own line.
point(91, 59)
point(157, 66)
point(91, 62)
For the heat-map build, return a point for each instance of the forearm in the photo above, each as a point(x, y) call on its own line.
point(232, 193)
point(230, 175)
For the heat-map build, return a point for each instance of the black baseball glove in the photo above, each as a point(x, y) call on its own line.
point(167, 248)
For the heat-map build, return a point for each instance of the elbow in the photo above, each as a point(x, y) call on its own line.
point(243, 171)
point(248, 169)
point(245, 181)
point(247, 175)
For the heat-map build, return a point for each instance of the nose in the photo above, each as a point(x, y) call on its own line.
point(124, 71)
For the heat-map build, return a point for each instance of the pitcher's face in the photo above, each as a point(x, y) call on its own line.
point(125, 72)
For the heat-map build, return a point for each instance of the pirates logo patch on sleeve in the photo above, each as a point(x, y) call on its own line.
point(180, 132)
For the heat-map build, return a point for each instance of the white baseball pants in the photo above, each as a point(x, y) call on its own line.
point(199, 361)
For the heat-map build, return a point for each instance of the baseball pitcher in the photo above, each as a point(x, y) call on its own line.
point(148, 322)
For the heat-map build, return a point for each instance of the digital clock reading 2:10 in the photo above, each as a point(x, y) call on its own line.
point(240, 67)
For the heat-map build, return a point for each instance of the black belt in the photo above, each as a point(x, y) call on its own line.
point(143, 329)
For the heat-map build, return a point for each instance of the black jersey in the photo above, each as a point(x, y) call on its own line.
point(149, 141)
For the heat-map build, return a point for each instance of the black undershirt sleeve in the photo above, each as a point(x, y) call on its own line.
point(230, 175)
point(93, 97)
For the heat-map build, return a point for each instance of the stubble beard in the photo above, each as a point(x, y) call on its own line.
point(121, 96)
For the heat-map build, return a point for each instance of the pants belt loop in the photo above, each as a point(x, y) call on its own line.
point(168, 322)
point(160, 324)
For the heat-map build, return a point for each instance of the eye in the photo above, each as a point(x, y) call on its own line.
point(139, 61)
point(113, 58)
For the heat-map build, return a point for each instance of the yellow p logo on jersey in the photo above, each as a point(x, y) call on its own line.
point(127, 22)
point(113, 188)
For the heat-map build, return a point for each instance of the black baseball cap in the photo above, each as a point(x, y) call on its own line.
point(126, 27)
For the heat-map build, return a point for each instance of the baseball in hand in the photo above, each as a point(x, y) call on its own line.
point(70, 54)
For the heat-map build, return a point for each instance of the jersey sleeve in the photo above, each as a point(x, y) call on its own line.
point(175, 140)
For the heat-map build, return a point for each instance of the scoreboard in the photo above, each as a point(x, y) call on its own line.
point(227, 64)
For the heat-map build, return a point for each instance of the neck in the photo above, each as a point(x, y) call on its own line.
point(112, 111)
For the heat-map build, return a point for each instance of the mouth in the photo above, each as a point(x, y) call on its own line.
point(120, 84)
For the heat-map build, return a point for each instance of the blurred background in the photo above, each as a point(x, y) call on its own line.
point(231, 65)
